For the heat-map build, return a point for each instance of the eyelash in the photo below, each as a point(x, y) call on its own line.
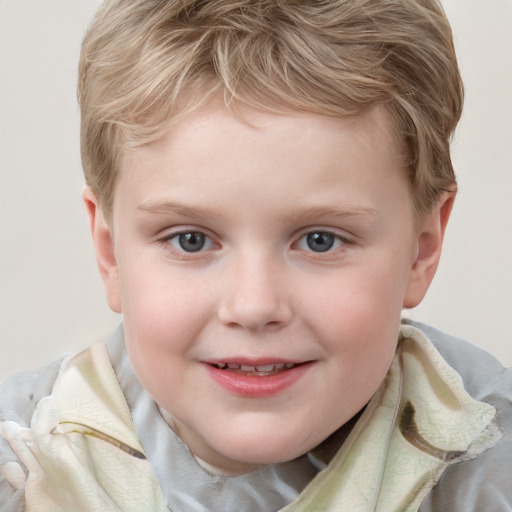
point(167, 243)
point(338, 242)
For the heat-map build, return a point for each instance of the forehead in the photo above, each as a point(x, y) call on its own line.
point(212, 124)
point(212, 150)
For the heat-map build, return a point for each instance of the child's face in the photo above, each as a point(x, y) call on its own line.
point(285, 241)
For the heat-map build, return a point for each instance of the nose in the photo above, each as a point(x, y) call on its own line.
point(255, 296)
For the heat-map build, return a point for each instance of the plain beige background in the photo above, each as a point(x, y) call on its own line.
point(51, 299)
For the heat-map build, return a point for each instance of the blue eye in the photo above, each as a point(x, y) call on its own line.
point(320, 241)
point(190, 241)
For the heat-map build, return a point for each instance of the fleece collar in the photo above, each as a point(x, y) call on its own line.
point(83, 454)
point(420, 420)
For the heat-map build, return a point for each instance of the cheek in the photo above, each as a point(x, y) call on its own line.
point(357, 317)
point(163, 300)
point(163, 319)
point(361, 301)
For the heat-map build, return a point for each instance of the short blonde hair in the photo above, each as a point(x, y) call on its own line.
point(146, 62)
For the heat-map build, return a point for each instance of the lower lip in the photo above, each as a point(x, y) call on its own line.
point(257, 386)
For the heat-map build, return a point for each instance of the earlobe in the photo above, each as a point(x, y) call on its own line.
point(104, 247)
point(429, 245)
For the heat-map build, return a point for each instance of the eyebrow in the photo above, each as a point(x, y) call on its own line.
point(158, 206)
point(169, 207)
point(342, 211)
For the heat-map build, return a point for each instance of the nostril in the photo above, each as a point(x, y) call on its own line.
point(254, 303)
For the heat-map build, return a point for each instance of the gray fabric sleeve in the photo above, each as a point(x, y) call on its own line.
point(480, 485)
point(483, 484)
point(19, 396)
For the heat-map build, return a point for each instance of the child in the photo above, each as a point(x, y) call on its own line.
point(268, 185)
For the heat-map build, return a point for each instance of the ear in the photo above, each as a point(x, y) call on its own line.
point(104, 247)
point(430, 242)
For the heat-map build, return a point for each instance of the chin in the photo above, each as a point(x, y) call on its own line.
point(258, 450)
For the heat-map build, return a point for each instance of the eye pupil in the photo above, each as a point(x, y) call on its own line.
point(192, 242)
point(320, 242)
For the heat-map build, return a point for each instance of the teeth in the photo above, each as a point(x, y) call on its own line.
point(256, 370)
point(267, 368)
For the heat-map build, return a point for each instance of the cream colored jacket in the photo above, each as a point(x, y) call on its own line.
point(82, 452)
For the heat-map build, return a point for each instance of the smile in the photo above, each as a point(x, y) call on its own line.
point(260, 371)
point(258, 380)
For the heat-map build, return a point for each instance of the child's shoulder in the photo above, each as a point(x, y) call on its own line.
point(20, 393)
point(482, 483)
point(19, 396)
point(482, 374)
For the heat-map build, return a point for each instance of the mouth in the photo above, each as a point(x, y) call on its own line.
point(256, 371)
point(257, 379)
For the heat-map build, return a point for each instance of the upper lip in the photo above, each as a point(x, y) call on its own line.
point(253, 362)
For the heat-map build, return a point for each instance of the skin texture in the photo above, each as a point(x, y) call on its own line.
point(258, 291)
